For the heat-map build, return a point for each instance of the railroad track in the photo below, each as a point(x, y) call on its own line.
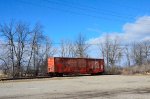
point(42, 77)
point(23, 78)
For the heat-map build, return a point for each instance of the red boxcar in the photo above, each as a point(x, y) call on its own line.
point(61, 65)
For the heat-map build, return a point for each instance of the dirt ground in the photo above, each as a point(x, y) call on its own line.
point(82, 87)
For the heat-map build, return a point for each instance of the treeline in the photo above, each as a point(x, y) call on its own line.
point(135, 56)
point(24, 50)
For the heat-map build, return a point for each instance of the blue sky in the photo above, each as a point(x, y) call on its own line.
point(65, 19)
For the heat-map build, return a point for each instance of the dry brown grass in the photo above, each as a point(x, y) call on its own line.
point(113, 70)
point(143, 69)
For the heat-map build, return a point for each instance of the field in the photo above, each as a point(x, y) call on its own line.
point(81, 87)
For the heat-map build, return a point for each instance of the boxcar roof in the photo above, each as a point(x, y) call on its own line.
point(76, 58)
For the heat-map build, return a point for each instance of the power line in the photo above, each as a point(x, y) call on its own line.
point(71, 12)
point(135, 8)
point(92, 9)
point(78, 13)
point(96, 10)
point(111, 3)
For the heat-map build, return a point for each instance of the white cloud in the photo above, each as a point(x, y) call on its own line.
point(136, 31)
point(139, 30)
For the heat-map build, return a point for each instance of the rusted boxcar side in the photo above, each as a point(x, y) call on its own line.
point(59, 65)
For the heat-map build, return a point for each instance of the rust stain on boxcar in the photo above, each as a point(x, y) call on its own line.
point(51, 65)
point(75, 65)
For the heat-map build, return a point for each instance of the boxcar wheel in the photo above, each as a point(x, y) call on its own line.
point(60, 74)
point(51, 74)
point(92, 74)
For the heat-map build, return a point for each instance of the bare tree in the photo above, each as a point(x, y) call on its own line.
point(137, 54)
point(15, 34)
point(111, 50)
point(40, 49)
point(140, 52)
point(21, 38)
point(146, 51)
point(4, 65)
point(7, 32)
point(46, 51)
point(67, 49)
point(81, 47)
point(24, 48)
point(35, 43)
point(50, 50)
point(105, 49)
point(127, 54)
